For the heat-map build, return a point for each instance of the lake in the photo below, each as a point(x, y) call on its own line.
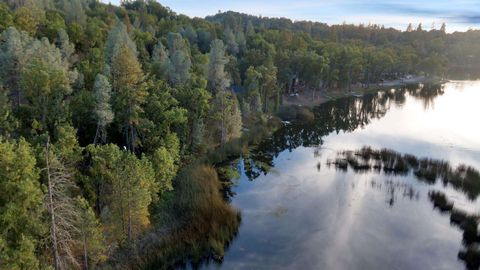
point(323, 195)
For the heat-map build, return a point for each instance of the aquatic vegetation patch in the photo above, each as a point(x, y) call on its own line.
point(463, 177)
point(468, 223)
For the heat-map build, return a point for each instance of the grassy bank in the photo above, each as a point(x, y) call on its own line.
point(194, 223)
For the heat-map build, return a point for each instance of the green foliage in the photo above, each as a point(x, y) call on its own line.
point(230, 41)
point(82, 106)
point(169, 88)
point(196, 98)
point(160, 61)
point(163, 115)
point(103, 110)
point(129, 94)
point(54, 22)
point(74, 11)
point(13, 59)
point(45, 81)
point(6, 17)
point(217, 78)
point(8, 122)
point(165, 167)
point(93, 248)
point(103, 90)
point(21, 225)
point(118, 37)
point(225, 120)
point(29, 18)
point(126, 191)
point(180, 62)
point(252, 103)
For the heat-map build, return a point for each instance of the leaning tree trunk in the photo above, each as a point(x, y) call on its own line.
point(53, 229)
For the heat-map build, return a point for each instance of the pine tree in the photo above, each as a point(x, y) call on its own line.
point(419, 27)
point(230, 41)
point(443, 29)
point(197, 99)
point(127, 191)
point(225, 120)
point(74, 11)
point(241, 41)
point(268, 86)
point(252, 102)
point(250, 30)
point(103, 111)
point(90, 237)
point(160, 60)
point(176, 43)
point(409, 28)
point(46, 80)
point(133, 189)
point(66, 48)
point(13, 58)
point(117, 38)
point(217, 77)
point(190, 34)
point(180, 62)
point(8, 122)
point(165, 167)
point(21, 208)
point(165, 116)
point(129, 94)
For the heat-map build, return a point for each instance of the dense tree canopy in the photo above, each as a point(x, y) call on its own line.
point(101, 105)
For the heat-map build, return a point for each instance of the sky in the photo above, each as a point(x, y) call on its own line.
point(459, 15)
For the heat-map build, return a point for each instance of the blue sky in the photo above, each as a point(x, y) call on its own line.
point(458, 15)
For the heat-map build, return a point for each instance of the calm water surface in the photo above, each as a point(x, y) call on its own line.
point(300, 213)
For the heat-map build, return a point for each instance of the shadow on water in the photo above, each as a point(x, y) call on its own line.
point(346, 114)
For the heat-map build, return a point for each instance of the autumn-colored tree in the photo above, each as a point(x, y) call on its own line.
point(129, 94)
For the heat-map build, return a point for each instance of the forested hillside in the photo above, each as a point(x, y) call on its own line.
point(100, 106)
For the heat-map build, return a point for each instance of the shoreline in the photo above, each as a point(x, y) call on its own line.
point(195, 241)
point(311, 98)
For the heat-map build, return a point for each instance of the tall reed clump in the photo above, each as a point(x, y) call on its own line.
point(193, 224)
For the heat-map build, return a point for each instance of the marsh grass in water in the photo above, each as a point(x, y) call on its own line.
point(463, 177)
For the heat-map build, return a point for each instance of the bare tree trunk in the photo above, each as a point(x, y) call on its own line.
point(97, 134)
point(44, 112)
point(53, 230)
point(129, 222)
point(223, 135)
point(85, 253)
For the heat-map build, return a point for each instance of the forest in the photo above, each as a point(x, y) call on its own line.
point(109, 116)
